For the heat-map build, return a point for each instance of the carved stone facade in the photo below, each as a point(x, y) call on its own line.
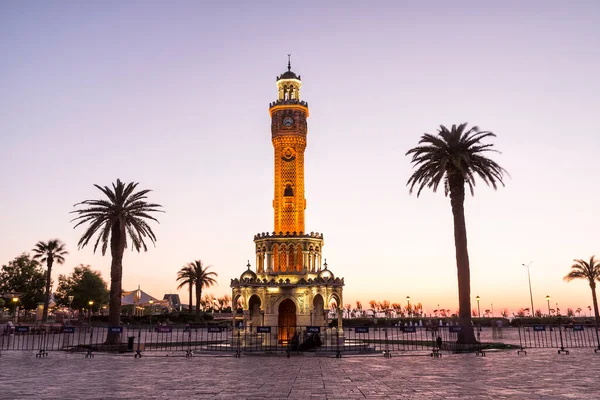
point(290, 286)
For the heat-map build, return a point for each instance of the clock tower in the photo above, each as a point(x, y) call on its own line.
point(288, 134)
point(291, 287)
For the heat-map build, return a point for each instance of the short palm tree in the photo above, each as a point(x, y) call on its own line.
point(121, 217)
point(49, 252)
point(202, 278)
point(185, 276)
point(453, 158)
point(589, 271)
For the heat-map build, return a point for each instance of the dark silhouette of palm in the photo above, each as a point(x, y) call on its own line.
point(202, 278)
point(49, 252)
point(119, 220)
point(186, 277)
point(454, 158)
point(589, 271)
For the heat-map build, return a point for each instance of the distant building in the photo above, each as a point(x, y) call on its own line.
point(174, 301)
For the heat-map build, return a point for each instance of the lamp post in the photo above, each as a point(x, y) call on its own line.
point(151, 303)
point(70, 308)
point(90, 303)
point(15, 301)
point(478, 309)
point(530, 293)
point(548, 300)
point(408, 306)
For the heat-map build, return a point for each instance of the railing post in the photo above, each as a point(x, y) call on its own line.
point(522, 350)
point(386, 351)
point(338, 354)
point(189, 352)
point(562, 347)
point(42, 350)
point(596, 350)
point(238, 353)
point(138, 353)
point(89, 352)
point(479, 352)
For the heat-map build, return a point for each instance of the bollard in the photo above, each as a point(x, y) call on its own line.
point(238, 353)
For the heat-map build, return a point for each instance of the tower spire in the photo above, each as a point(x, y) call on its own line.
point(289, 62)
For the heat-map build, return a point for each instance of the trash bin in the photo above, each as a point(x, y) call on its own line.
point(130, 340)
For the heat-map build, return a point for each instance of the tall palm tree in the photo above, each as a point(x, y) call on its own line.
point(121, 217)
point(454, 157)
point(186, 277)
point(202, 278)
point(49, 252)
point(590, 271)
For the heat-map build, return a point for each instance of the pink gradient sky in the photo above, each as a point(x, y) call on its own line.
point(175, 96)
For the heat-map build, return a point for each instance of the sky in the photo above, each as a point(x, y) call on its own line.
point(175, 96)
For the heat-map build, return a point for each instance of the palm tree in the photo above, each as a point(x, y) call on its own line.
point(186, 276)
point(454, 158)
point(202, 278)
point(49, 252)
point(122, 216)
point(590, 271)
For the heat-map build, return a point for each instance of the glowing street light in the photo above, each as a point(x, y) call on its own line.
point(70, 308)
point(15, 301)
point(548, 300)
point(529, 279)
point(478, 310)
point(408, 305)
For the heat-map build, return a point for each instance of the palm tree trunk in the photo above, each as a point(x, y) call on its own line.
point(198, 294)
point(191, 290)
point(47, 299)
point(457, 199)
point(117, 248)
point(595, 301)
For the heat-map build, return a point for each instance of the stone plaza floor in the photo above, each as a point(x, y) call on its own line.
point(541, 374)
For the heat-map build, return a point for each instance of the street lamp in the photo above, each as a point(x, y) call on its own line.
point(548, 300)
point(478, 310)
point(91, 303)
point(151, 302)
point(408, 306)
point(15, 301)
point(529, 279)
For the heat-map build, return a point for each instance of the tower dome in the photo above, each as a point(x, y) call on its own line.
point(248, 274)
point(289, 74)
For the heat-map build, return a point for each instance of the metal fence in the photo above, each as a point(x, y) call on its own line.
point(560, 336)
point(285, 340)
point(193, 339)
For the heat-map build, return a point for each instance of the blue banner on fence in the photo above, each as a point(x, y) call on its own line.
point(455, 329)
point(263, 329)
point(215, 329)
point(115, 329)
point(22, 329)
point(409, 329)
point(361, 330)
point(69, 329)
point(577, 327)
point(164, 329)
point(539, 328)
point(313, 329)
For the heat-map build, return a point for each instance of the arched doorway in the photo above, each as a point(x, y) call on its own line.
point(254, 308)
point(286, 320)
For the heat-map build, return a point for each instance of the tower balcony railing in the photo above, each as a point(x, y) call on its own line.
point(288, 102)
point(275, 235)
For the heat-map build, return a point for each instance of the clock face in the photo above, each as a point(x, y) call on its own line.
point(288, 121)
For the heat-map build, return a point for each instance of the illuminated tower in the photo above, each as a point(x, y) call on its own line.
point(291, 285)
point(288, 134)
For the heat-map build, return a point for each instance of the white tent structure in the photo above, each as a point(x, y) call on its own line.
point(140, 300)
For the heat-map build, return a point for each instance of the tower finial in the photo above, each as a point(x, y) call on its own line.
point(289, 62)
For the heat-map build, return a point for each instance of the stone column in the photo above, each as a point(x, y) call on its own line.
point(269, 261)
point(305, 264)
